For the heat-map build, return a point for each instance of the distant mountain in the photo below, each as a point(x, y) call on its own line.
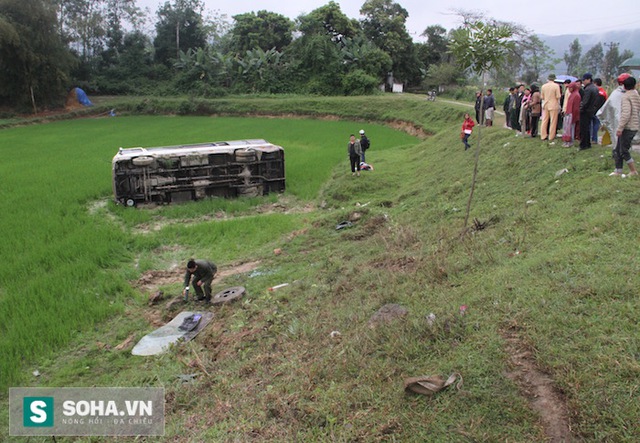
point(629, 39)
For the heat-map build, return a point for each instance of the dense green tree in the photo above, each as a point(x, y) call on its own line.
point(385, 25)
point(527, 59)
point(592, 59)
point(317, 57)
point(572, 58)
point(133, 71)
point(612, 60)
point(262, 30)
point(360, 54)
point(204, 71)
point(264, 71)
point(86, 28)
point(318, 63)
point(180, 26)
point(442, 74)
point(119, 13)
point(536, 57)
point(434, 50)
point(328, 20)
point(34, 62)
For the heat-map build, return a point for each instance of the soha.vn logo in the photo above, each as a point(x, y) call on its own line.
point(37, 412)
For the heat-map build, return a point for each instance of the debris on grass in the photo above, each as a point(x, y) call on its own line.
point(431, 384)
point(431, 319)
point(480, 225)
point(276, 287)
point(335, 334)
point(561, 171)
point(387, 314)
point(344, 224)
point(186, 378)
point(126, 343)
point(36, 373)
point(156, 297)
point(355, 216)
point(228, 295)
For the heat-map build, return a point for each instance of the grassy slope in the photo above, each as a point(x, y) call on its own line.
point(569, 292)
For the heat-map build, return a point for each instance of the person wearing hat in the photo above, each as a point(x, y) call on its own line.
point(609, 113)
point(550, 96)
point(588, 108)
point(364, 143)
point(200, 273)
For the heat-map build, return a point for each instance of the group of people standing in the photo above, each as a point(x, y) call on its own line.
point(356, 149)
point(577, 105)
point(574, 106)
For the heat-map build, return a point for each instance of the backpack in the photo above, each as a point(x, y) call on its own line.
point(364, 143)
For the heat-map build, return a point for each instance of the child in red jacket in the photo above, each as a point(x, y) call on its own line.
point(467, 129)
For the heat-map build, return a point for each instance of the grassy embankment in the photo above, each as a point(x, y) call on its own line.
point(555, 266)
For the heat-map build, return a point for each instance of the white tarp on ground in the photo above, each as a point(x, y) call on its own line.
point(159, 340)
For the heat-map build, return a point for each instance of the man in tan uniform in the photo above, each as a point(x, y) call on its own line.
point(550, 95)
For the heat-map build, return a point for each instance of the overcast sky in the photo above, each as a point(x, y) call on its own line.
point(587, 17)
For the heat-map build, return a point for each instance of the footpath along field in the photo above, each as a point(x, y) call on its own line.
point(534, 306)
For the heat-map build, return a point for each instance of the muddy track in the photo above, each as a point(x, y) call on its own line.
point(539, 389)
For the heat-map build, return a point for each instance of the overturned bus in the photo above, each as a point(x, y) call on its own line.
point(191, 172)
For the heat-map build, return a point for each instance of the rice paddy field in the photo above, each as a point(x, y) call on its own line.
point(65, 266)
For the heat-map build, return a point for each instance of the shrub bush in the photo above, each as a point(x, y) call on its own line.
point(359, 83)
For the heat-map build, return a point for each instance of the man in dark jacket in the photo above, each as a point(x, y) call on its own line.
point(364, 143)
point(489, 105)
point(515, 114)
point(506, 105)
point(354, 150)
point(588, 108)
point(202, 273)
point(479, 114)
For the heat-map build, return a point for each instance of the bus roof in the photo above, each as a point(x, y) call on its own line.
point(196, 149)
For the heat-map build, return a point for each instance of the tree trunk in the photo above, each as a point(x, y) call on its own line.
point(33, 100)
point(178, 39)
point(477, 156)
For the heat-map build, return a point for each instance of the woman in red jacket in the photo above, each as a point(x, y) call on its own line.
point(467, 129)
point(571, 123)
